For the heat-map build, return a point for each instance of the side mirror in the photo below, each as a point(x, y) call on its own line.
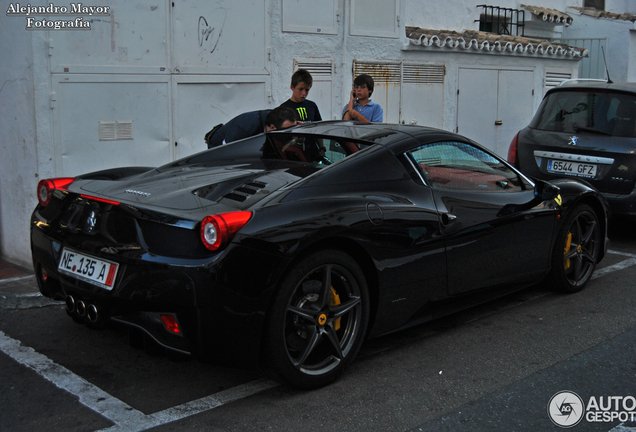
point(545, 191)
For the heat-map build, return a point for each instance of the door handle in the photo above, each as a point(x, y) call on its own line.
point(448, 218)
point(498, 122)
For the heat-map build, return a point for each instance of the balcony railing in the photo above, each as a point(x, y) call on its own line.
point(503, 21)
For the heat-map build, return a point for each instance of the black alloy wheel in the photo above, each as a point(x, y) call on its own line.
point(576, 250)
point(318, 320)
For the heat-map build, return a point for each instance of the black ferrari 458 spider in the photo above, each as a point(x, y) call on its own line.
point(285, 251)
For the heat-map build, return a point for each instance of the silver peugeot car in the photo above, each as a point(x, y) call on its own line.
point(584, 130)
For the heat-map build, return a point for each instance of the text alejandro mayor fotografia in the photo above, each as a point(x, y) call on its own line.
point(54, 17)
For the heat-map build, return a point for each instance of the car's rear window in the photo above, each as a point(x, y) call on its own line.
point(578, 111)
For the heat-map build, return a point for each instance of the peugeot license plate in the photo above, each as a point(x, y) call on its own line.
point(571, 168)
point(87, 268)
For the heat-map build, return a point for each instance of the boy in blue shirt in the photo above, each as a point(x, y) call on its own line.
point(360, 106)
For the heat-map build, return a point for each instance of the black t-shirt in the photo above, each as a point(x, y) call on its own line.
point(306, 111)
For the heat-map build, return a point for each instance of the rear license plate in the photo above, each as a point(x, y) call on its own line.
point(87, 268)
point(571, 168)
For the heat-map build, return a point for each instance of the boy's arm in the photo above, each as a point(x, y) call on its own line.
point(347, 113)
point(355, 115)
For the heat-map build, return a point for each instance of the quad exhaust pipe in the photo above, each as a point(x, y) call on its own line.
point(70, 304)
point(81, 309)
point(93, 314)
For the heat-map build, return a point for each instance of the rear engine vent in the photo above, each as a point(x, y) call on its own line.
point(243, 192)
point(256, 184)
point(247, 190)
point(235, 197)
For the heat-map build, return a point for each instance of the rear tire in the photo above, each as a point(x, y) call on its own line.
point(318, 320)
point(576, 250)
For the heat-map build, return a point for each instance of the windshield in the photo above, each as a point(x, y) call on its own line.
point(601, 112)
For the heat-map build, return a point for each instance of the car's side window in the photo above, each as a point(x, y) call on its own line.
point(622, 116)
point(461, 166)
point(333, 150)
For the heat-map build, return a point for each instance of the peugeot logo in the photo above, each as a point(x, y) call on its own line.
point(573, 140)
point(136, 192)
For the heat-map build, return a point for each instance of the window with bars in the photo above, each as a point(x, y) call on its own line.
point(596, 4)
point(503, 21)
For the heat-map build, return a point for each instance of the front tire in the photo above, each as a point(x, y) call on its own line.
point(318, 320)
point(576, 250)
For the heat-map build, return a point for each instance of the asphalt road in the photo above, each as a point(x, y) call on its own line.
point(492, 368)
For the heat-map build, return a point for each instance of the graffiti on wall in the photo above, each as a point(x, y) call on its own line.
point(210, 31)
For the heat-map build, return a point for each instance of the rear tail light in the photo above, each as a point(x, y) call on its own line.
point(48, 186)
point(104, 200)
point(218, 230)
point(171, 323)
point(513, 157)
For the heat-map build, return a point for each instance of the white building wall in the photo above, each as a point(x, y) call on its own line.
point(462, 14)
point(631, 67)
point(19, 158)
point(619, 39)
point(620, 6)
point(50, 115)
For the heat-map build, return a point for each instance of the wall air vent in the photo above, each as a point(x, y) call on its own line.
point(316, 69)
point(423, 74)
point(553, 79)
point(115, 130)
point(382, 73)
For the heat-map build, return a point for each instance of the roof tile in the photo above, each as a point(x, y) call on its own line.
point(549, 15)
point(471, 40)
point(604, 14)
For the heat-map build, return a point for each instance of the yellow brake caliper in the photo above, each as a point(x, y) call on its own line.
point(568, 244)
point(335, 301)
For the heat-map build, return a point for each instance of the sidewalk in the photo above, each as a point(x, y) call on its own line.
point(19, 289)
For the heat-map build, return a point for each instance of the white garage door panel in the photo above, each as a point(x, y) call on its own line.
point(423, 104)
point(310, 16)
point(202, 105)
point(388, 96)
point(321, 94)
point(217, 36)
point(515, 106)
point(477, 105)
point(493, 105)
point(134, 34)
point(80, 107)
